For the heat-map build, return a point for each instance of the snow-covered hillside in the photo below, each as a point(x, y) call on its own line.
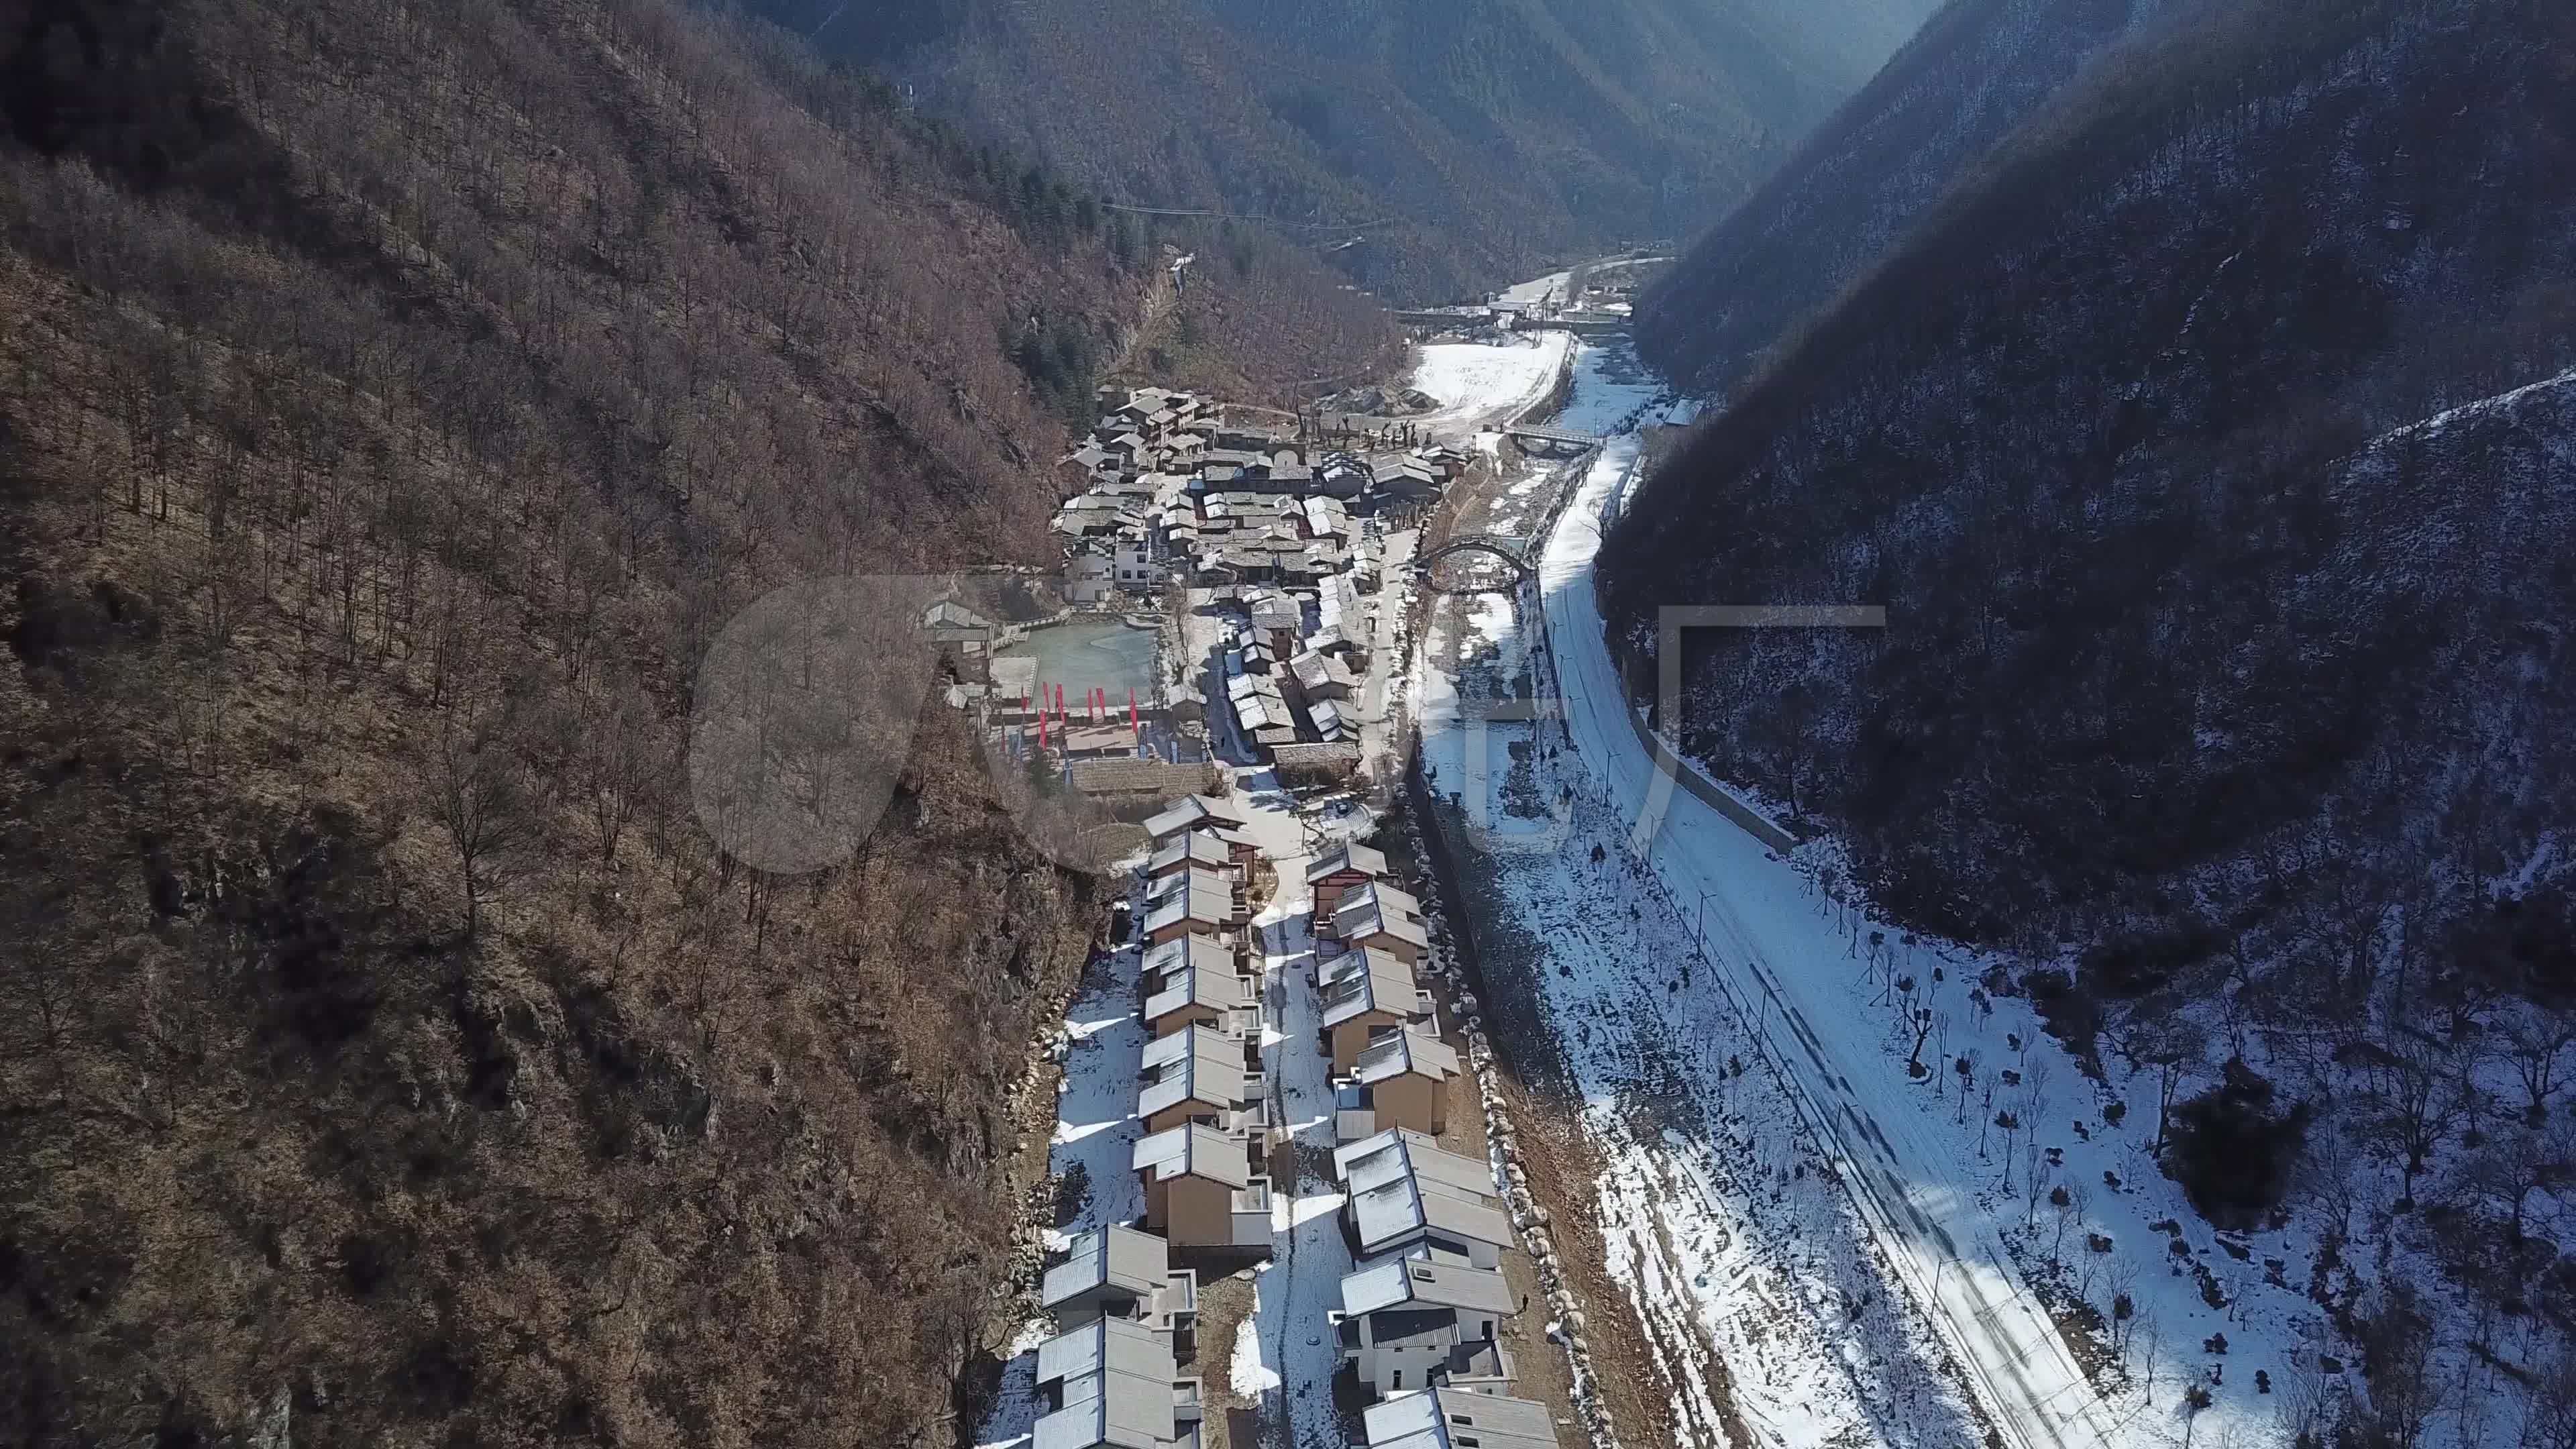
point(1885, 1254)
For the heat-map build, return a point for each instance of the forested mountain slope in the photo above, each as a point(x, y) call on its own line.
point(1466, 141)
point(1976, 70)
point(2212, 447)
point(2190, 630)
point(393, 403)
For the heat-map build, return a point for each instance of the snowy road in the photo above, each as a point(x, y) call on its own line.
point(1762, 932)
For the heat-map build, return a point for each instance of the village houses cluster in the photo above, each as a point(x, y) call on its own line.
point(1166, 491)
point(1419, 1326)
point(1282, 530)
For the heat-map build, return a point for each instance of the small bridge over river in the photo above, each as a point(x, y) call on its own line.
point(1535, 436)
point(1516, 550)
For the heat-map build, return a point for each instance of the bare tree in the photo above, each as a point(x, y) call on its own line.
point(2404, 1378)
point(2550, 1418)
point(613, 760)
point(2414, 1089)
point(479, 801)
point(2515, 1163)
point(2534, 1038)
point(2178, 1049)
point(2328, 1170)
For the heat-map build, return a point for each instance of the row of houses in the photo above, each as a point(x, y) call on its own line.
point(1202, 1097)
point(1421, 1314)
point(1126, 1314)
point(1125, 1321)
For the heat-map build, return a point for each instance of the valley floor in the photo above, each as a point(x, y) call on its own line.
point(1811, 1228)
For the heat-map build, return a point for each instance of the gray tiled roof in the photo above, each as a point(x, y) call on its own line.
point(1121, 1259)
point(1195, 1151)
point(1401, 1052)
point(1380, 983)
point(1424, 1282)
point(1426, 1419)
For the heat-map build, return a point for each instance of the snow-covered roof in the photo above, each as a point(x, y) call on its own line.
point(1192, 877)
point(1195, 1065)
point(1384, 894)
point(1317, 670)
point(1401, 1151)
point(1260, 711)
point(1195, 902)
point(1402, 1185)
point(1117, 1379)
point(1378, 908)
point(1217, 990)
point(1191, 810)
point(950, 614)
point(1116, 1344)
point(1199, 847)
point(1187, 953)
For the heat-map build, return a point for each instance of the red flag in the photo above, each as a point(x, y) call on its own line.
point(1059, 701)
point(1132, 721)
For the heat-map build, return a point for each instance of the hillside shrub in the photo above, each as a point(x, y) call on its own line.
point(2232, 1149)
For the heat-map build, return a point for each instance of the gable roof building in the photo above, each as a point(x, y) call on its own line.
point(1192, 980)
point(1193, 1151)
point(1111, 1385)
point(1401, 1079)
point(1349, 859)
point(1380, 915)
point(1367, 987)
point(1424, 1281)
point(1443, 1418)
point(1406, 1190)
point(1199, 849)
point(1118, 1272)
point(1193, 1075)
point(1201, 1191)
point(1190, 812)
